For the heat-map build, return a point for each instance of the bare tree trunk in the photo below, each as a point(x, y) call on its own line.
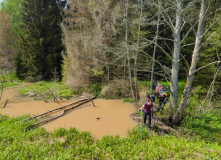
point(127, 53)
point(176, 56)
point(190, 78)
point(154, 52)
point(108, 71)
point(135, 61)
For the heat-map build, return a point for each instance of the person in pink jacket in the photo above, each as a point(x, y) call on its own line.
point(147, 108)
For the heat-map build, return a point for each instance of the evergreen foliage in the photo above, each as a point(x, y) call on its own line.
point(40, 45)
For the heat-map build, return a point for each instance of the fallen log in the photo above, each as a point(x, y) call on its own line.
point(66, 111)
point(56, 109)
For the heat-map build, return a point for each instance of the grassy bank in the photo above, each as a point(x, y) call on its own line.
point(19, 142)
point(206, 126)
point(46, 89)
point(9, 80)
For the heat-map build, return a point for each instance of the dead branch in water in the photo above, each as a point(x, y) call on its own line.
point(5, 103)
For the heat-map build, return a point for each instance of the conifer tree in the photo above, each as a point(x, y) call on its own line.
point(40, 43)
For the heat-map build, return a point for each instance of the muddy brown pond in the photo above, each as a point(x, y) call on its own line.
point(108, 117)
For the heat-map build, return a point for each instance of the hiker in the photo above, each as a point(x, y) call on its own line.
point(153, 85)
point(152, 98)
point(162, 96)
point(158, 83)
point(147, 107)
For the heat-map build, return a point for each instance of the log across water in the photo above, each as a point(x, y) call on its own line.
point(64, 110)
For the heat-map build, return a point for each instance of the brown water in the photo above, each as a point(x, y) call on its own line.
point(18, 106)
point(108, 117)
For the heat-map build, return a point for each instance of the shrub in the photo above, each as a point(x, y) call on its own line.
point(117, 88)
point(96, 88)
point(43, 89)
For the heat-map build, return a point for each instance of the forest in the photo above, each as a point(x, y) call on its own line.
point(115, 49)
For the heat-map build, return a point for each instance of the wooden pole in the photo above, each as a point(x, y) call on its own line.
point(92, 102)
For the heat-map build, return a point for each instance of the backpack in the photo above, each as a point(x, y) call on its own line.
point(152, 97)
point(163, 94)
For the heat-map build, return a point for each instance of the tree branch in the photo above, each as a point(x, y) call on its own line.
point(206, 66)
point(152, 42)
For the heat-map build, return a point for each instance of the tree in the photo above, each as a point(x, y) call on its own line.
point(12, 7)
point(40, 44)
point(6, 41)
point(91, 38)
point(127, 52)
point(199, 36)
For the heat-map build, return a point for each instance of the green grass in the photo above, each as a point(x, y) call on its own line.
point(11, 80)
point(44, 86)
point(129, 100)
point(206, 126)
point(19, 142)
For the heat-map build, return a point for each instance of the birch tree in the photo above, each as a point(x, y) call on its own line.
point(154, 52)
point(127, 52)
point(176, 54)
point(195, 57)
point(137, 96)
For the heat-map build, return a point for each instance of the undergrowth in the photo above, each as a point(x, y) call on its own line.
point(10, 80)
point(19, 142)
point(206, 126)
point(44, 87)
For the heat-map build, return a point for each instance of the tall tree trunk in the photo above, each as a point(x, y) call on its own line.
point(127, 53)
point(176, 56)
point(195, 57)
point(137, 96)
point(154, 52)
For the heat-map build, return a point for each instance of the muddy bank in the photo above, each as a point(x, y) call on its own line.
point(108, 117)
point(18, 105)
